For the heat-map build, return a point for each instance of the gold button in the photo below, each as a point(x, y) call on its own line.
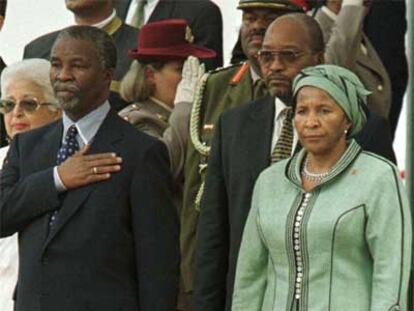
point(380, 87)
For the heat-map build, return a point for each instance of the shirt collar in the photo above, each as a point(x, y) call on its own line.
point(89, 124)
point(254, 74)
point(280, 106)
point(328, 12)
point(161, 104)
point(106, 21)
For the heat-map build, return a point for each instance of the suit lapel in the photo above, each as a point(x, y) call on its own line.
point(47, 154)
point(104, 141)
point(371, 60)
point(121, 7)
point(163, 10)
point(258, 135)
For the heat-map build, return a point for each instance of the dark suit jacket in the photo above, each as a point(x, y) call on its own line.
point(114, 245)
point(203, 17)
point(125, 38)
point(240, 152)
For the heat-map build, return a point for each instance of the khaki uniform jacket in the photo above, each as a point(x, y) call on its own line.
point(224, 89)
point(343, 47)
point(171, 126)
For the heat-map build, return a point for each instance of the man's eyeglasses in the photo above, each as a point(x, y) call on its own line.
point(28, 105)
point(266, 57)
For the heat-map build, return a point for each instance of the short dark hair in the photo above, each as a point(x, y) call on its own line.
point(101, 41)
point(312, 28)
point(3, 5)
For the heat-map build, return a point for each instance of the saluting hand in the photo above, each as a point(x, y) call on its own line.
point(81, 169)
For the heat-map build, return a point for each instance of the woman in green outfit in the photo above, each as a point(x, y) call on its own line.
point(330, 228)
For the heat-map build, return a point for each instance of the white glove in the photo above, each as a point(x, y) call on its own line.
point(191, 74)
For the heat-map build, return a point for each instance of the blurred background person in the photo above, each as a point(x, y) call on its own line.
point(27, 102)
point(348, 46)
point(330, 216)
point(203, 18)
point(159, 108)
point(100, 14)
point(389, 42)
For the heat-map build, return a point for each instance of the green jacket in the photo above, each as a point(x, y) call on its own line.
point(225, 88)
point(354, 237)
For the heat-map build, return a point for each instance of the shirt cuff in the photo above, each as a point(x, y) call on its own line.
point(352, 2)
point(60, 187)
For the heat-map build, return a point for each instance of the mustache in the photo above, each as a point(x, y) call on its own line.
point(258, 32)
point(276, 76)
point(65, 86)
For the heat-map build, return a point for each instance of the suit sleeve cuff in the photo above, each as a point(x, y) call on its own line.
point(60, 187)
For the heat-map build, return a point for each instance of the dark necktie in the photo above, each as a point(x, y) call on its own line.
point(139, 15)
point(259, 89)
point(283, 147)
point(69, 147)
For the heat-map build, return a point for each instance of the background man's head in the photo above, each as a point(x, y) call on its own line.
point(83, 59)
point(292, 42)
point(3, 5)
point(89, 12)
point(257, 16)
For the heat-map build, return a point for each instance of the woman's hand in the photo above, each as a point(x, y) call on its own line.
point(191, 74)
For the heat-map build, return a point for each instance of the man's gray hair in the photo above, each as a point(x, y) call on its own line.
point(100, 40)
point(35, 70)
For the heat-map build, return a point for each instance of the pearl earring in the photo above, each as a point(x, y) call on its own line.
point(346, 132)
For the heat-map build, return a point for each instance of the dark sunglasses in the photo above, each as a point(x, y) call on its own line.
point(28, 105)
point(266, 57)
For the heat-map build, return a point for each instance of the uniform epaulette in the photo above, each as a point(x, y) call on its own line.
point(219, 69)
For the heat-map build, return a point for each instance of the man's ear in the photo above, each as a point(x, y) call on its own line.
point(1, 21)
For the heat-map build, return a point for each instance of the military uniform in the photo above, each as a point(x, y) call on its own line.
point(219, 90)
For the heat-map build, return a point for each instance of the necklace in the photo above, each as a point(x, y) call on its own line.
point(314, 177)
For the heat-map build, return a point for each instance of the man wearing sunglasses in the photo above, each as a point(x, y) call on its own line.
point(220, 90)
point(248, 139)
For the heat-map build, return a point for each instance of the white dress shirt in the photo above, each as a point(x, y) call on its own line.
point(279, 117)
point(148, 9)
point(87, 128)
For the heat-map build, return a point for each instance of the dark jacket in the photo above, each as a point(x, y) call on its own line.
point(240, 152)
point(115, 243)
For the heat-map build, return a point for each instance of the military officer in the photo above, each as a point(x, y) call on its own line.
point(220, 90)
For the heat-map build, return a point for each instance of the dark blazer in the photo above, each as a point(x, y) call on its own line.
point(203, 17)
point(240, 152)
point(115, 243)
point(125, 38)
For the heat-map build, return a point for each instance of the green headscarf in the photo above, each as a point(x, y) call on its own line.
point(342, 85)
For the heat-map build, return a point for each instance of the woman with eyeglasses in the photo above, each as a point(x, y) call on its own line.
point(329, 228)
point(27, 102)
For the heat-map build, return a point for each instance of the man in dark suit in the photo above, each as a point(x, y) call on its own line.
point(99, 230)
point(101, 14)
point(203, 17)
point(241, 150)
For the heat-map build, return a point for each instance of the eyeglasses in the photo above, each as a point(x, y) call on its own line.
point(28, 105)
point(267, 57)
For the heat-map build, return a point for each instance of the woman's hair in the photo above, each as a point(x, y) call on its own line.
point(135, 85)
point(35, 70)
